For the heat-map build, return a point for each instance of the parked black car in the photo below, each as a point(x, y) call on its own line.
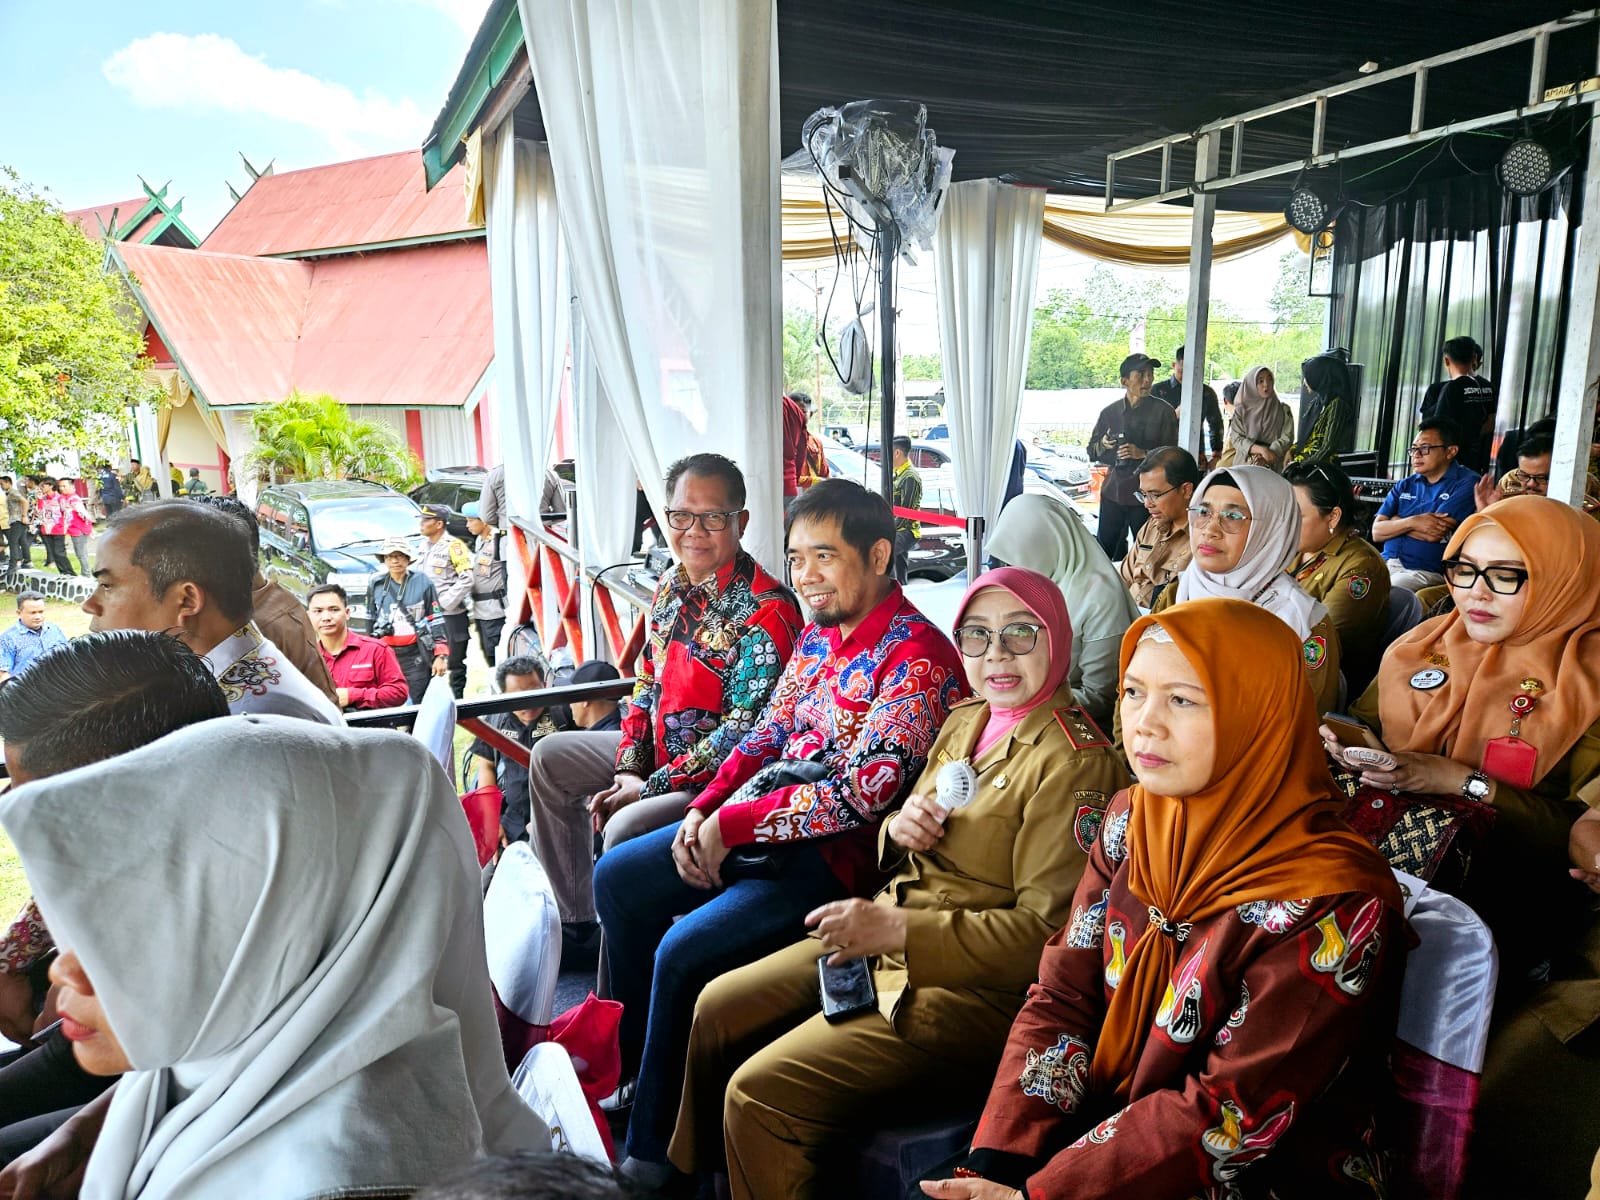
point(453, 487)
point(329, 532)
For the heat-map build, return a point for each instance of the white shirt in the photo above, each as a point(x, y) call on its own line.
point(256, 677)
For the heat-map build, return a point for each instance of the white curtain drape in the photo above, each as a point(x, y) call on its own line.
point(529, 290)
point(663, 130)
point(448, 439)
point(605, 477)
point(986, 267)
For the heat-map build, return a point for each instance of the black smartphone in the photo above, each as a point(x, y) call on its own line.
point(846, 990)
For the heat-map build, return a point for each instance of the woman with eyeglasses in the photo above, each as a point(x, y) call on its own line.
point(952, 942)
point(1244, 525)
point(1215, 1019)
point(1043, 535)
point(1499, 701)
point(1339, 567)
point(1261, 429)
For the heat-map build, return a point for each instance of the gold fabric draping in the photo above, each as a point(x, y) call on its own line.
point(175, 393)
point(1154, 236)
point(477, 205)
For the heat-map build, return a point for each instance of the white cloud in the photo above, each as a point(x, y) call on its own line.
point(210, 72)
point(468, 14)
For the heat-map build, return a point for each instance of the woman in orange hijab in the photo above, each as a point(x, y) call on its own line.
point(1501, 698)
point(1217, 1013)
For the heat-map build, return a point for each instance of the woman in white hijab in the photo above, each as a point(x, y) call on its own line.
point(290, 969)
point(1261, 429)
point(1244, 528)
point(1046, 536)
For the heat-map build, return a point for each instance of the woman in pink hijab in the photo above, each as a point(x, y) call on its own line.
point(982, 862)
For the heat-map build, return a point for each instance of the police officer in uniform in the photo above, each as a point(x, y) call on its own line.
point(1339, 567)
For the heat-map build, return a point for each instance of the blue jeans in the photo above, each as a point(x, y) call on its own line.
point(659, 967)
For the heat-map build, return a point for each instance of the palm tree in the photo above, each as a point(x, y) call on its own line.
point(315, 437)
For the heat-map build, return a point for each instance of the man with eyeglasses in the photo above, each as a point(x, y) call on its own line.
point(1418, 516)
point(790, 821)
point(1531, 476)
point(1161, 549)
point(720, 631)
point(1127, 430)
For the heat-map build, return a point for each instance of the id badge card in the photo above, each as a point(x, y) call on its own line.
point(1510, 760)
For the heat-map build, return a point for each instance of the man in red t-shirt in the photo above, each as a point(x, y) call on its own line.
point(365, 672)
point(794, 447)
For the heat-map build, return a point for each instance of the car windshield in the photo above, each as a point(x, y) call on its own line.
point(337, 524)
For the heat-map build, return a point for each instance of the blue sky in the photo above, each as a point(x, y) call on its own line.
point(97, 94)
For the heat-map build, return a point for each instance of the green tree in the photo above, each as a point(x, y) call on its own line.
point(800, 351)
point(921, 366)
point(315, 437)
point(70, 346)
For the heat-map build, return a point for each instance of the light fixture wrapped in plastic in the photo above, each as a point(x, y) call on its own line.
point(1526, 168)
point(882, 160)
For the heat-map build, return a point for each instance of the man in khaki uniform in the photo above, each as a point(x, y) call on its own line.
point(447, 564)
point(976, 908)
point(1167, 479)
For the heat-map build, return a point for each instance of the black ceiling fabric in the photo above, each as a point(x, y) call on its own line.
point(1039, 92)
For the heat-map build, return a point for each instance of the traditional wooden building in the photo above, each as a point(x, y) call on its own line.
point(351, 279)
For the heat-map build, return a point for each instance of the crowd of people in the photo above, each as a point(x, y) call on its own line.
point(1094, 867)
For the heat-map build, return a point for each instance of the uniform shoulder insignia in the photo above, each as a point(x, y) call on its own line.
point(1080, 728)
point(967, 703)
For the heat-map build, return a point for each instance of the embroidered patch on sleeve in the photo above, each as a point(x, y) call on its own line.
point(1316, 651)
point(1086, 824)
point(1360, 585)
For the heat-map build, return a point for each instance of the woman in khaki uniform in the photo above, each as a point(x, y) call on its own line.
point(953, 941)
point(1499, 701)
point(1339, 567)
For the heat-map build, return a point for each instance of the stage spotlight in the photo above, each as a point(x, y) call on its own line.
point(1526, 168)
point(1307, 211)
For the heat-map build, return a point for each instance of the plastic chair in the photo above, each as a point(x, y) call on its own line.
point(522, 934)
point(435, 726)
point(1446, 1002)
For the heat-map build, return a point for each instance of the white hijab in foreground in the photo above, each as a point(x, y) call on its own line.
point(284, 924)
point(1274, 536)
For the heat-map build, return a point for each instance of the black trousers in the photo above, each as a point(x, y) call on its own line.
point(458, 632)
point(417, 667)
point(1118, 523)
point(489, 630)
point(39, 1090)
point(55, 552)
point(17, 544)
point(903, 542)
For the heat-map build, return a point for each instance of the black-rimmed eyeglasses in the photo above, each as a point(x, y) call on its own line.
point(1502, 581)
point(712, 522)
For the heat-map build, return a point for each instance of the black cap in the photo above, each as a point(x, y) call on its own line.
point(594, 671)
point(439, 512)
point(1137, 362)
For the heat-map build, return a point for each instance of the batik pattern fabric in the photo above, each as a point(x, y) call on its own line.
point(1258, 1075)
point(25, 942)
point(714, 653)
point(867, 707)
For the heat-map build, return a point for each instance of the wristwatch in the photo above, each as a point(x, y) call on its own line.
point(1476, 787)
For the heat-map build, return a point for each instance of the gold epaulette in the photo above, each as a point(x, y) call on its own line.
point(1080, 728)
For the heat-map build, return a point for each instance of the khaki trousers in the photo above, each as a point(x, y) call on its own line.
point(564, 770)
point(807, 1090)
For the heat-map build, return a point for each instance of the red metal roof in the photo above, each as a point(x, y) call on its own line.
point(361, 203)
point(92, 220)
point(407, 328)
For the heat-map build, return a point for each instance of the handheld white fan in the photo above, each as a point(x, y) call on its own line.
point(955, 785)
